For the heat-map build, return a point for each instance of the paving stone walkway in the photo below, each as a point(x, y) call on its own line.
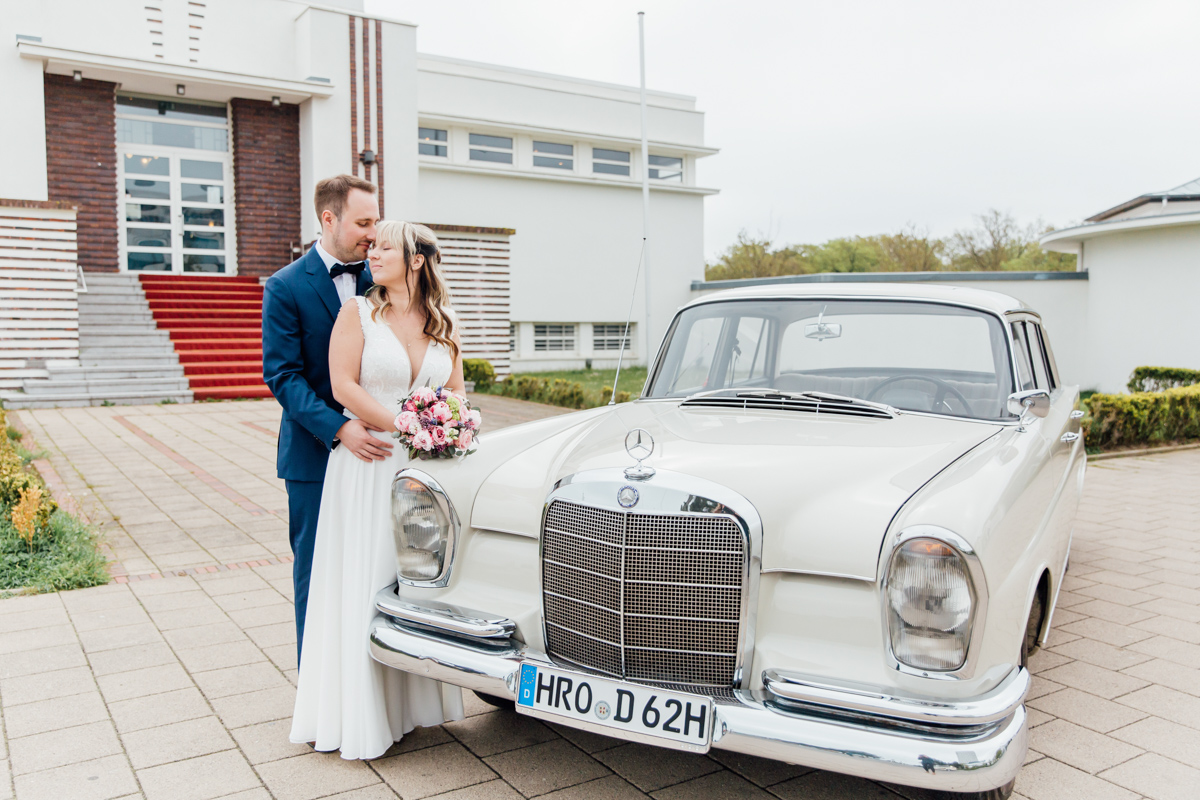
point(181, 686)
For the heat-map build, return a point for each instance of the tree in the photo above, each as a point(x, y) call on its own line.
point(754, 257)
point(911, 250)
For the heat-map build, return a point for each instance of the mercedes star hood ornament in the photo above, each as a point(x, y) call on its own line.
point(640, 446)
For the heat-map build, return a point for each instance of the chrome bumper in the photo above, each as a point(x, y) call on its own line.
point(962, 746)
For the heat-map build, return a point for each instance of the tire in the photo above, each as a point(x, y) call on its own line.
point(499, 702)
point(1033, 626)
point(999, 793)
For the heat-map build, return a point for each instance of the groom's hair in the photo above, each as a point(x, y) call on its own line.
point(332, 192)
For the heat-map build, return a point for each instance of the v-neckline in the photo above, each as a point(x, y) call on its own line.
point(412, 373)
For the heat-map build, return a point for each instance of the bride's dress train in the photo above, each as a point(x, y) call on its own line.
point(345, 699)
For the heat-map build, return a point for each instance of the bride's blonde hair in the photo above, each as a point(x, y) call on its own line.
point(430, 293)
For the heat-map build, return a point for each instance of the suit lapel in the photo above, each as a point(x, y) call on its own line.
point(318, 278)
point(364, 281)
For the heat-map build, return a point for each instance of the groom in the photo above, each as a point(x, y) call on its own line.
point(300, 303)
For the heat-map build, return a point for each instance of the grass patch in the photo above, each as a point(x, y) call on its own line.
point(594, 381)
point(62, 555)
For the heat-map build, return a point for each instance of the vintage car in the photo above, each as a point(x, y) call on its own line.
point(831, 531)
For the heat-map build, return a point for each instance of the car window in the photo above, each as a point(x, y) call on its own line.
point(747, 363)
point(1024, 362)
point(700, 346)
point(1051, 367)
point(1041, 377)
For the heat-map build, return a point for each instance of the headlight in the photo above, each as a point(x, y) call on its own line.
point(930, 603)
point(424, 527)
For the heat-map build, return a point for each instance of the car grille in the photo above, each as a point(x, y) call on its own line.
point(645, 597)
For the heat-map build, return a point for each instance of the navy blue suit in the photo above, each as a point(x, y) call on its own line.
point(300, 304)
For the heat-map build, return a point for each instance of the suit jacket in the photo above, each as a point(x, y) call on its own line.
point(300, 304)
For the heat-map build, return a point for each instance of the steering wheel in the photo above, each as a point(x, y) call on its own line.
point(938, 400)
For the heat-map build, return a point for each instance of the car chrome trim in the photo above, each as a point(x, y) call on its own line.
point(443, 500)
point(752, 724)
point(979, 598)
point(818, 574)
point(443, 616)
point(669, 492)
point(991, 707)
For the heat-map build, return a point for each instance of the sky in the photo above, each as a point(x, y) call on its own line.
point(862, 117)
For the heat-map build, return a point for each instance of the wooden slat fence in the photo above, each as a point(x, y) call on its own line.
point(475, 262)
point(39, 307)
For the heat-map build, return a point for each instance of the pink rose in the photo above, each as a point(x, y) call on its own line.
point(464, 440)
point(424, 395)
point(441, 412)
point(439, 435)
point(427, 416)
point(410, 406)
point(423, 441)
point(407, 422)
point(475, 418)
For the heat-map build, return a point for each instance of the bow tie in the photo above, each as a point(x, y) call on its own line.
point(341, 269)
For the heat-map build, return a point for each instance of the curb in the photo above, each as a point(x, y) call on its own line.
point(1145, 451)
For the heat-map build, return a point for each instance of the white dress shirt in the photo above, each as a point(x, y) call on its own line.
point(346, 283)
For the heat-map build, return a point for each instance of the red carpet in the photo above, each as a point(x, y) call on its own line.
point(215, 324)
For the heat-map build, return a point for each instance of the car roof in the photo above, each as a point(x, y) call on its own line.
point(955, 295)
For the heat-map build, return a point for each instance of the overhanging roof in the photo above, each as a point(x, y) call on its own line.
point(1185, 191)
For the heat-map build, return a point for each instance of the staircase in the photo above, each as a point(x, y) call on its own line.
point(123, 358)
point(215, 325)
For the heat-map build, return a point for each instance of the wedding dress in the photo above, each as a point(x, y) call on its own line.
point(345, 699)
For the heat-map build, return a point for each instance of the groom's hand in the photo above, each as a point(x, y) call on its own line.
point(354, 437)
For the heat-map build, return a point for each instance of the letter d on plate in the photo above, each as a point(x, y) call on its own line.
point(528, 685)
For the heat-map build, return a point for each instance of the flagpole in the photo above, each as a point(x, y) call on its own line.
point(646, 334)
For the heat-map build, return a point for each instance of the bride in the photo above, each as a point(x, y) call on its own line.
point(401, 335)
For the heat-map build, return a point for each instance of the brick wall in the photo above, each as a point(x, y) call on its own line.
point(266, 173)
point(81, 163)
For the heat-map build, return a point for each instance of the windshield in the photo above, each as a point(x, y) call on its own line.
point(911, 355)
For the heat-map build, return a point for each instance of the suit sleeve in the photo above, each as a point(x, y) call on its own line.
point(283, 366)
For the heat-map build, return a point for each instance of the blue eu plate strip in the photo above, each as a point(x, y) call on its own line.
point(528, 685)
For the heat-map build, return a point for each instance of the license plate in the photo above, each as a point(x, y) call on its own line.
point(639, 713)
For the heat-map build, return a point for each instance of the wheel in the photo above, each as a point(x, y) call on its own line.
point(999, 793)
point(498, 702)
point(1033, 626)
point(938, 400)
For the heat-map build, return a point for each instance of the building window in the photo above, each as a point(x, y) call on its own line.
point(175, 172)
point(610, 162)
point(608, 337)
point(556, 338)
point(555, 156)
point(666, 168)
point(431, 142)
point(497, 149)
point(512, 337)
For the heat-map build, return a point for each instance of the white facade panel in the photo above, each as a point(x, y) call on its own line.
point(23, 123)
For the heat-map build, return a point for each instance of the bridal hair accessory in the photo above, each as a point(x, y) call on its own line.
point(436, 423)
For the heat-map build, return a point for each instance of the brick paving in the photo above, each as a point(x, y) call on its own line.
point(181, 686)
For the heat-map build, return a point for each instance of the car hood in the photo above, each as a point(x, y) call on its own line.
point(825, 487)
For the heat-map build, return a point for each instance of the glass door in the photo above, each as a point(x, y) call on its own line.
point(175, 178)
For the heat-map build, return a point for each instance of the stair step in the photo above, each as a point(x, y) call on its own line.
point(187, 357)
point(113, 329)
point(222, 367)
point(198, 316)
point(253, 324)
point(68, 400)
point(125, 385)
point(227, 280)
point(218, 344)
point(176, 305)
point(226, 379)
point(124, 360)
point(231, 392)
point(156, 343)
point(240, 332)
point(114, 373)
point(168, 289)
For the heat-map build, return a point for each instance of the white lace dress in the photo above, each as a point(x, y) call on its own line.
point(345, 699)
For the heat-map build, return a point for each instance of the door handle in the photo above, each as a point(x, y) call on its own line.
point(1069, 437)
point(1077, 414)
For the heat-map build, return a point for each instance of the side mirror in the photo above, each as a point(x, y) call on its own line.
point(1032, 401)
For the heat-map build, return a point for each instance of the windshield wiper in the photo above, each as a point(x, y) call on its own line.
point(818, 396)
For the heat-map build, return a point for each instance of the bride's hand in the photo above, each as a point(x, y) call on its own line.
point(354, 437)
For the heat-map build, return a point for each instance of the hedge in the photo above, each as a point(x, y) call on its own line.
point(1143, 418)
point(568, 394)
point(479, 370)
point(1157, 379)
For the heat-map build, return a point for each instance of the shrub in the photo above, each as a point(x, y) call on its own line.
point(606, 393)
point(1157, 379)
point(568, 394)
point(1143, 418)
point(481, 371)
point(62, 554)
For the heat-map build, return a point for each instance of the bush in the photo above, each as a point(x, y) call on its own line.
point(1143, 418)
point(1157, 379)
point(481, 371)
point(568, 394)
point(606, 394)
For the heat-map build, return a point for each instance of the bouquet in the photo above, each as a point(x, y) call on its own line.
point(436, 423)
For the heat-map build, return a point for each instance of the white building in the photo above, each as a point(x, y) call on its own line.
point(189, 136)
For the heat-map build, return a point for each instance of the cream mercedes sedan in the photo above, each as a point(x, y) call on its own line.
point(831, 531)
